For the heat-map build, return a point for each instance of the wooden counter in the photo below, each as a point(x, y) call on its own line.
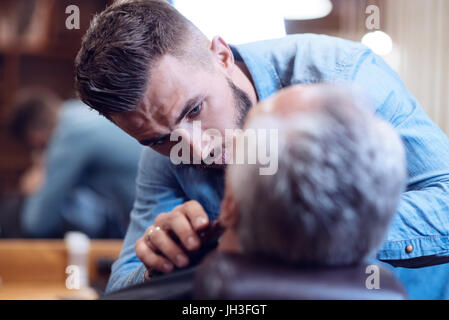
point(35, 269)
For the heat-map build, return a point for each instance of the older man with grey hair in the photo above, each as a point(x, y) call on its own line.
point(341, 171)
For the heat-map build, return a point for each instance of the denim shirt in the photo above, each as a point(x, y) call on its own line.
point(422, 219)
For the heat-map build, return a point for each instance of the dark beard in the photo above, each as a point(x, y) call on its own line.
point(242, 103)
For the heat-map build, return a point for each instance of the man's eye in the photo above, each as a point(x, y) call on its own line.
point(195, 111)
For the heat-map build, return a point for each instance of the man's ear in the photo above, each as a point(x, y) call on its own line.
point(223, 54)
point(229, 215)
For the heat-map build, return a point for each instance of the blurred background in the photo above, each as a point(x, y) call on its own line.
point(40, 116)
point(35, 49)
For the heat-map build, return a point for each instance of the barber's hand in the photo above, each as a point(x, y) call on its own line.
point(159, 251)
point(32, 180)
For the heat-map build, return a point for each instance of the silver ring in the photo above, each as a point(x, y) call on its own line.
point(151, 231)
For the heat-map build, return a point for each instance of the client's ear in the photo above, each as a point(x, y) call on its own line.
point(229, 218)
point(229, 215)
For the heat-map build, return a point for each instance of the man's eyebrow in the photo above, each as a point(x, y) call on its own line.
point(148, 142)
point(189, 105)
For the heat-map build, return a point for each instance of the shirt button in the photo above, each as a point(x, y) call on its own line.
point(409, 248)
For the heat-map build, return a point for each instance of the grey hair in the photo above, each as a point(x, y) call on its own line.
point(340, 177)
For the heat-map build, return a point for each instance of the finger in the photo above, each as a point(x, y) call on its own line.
point(160, 220)
point(196, 214)
point(152, 260)
point(162, 242)
point(148, 234)
point(182, 228)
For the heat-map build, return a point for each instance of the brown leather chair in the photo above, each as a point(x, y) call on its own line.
point(235, 276)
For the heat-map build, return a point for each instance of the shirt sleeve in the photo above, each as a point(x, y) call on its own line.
point(419, 233)
point(66, 160)
point(157, 191)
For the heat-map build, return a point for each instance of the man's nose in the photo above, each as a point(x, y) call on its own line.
point(202, 146)
point(199, 143)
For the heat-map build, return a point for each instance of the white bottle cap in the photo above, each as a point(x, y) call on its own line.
point(77, 242)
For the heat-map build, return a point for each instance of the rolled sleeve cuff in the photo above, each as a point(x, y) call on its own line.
point(412, 249)
point(137, 276)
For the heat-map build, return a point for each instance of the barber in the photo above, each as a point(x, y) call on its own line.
point(152, 72)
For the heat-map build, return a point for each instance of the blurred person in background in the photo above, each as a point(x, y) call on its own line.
point(83, 172)
point(31, 122)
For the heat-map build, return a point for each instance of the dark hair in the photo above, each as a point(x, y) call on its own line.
point(121, 46)
point(35, 109)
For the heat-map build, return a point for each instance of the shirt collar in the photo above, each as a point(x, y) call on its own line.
point(265, 77)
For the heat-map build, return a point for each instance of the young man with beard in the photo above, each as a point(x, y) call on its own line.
point(151, 71)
